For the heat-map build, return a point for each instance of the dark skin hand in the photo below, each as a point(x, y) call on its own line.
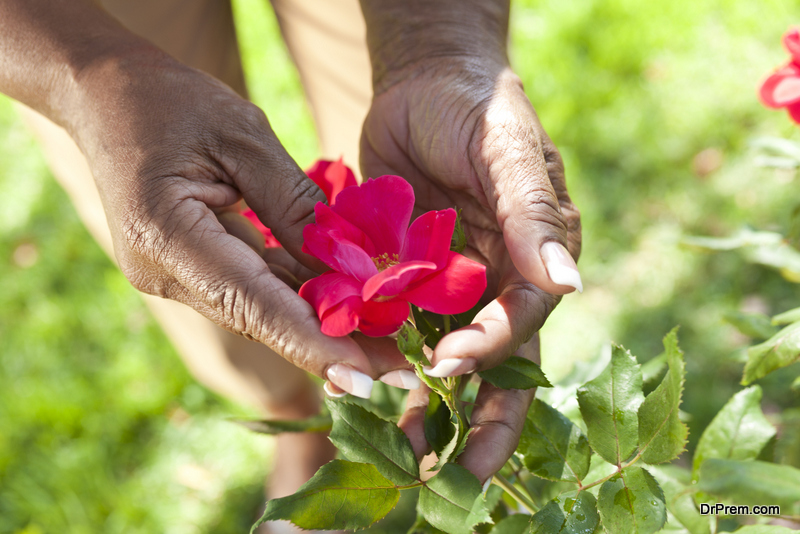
point(172, 150)
point(460, 129)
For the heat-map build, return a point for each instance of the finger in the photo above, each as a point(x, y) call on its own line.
point(412, 422)
point(388, 363)
point(238, 226)
point(497, 422)
point(272, 184)
point(228, 282)
point(497, 331)
point(514, 173)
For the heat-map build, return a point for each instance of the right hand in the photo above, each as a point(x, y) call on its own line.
point(171, 148)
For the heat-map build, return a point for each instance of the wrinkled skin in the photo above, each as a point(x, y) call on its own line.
point(467, 136)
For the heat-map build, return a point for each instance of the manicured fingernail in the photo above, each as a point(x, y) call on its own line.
point(352, 381)
point(561, 268)
point(487, 484)
point(451, 367)
point(401, 379)
point(328, 387)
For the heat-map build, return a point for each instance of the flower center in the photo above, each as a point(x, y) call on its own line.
point(385, 260)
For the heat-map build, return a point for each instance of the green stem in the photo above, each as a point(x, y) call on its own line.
point(414, 485)
point(612, 475)
point(509, 488)
point(446, 324)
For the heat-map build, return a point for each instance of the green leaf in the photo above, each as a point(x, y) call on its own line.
point(679, 501)
point(755, 325)
point(780, 350)
point(439, 427)
point(608, 405)
point(341, 495)
point(738, 432)
point(317, 423)
point(421, 526)
point(569, 513)
point(513, 524)
point(516, 373)
point(448, 500)
point(632, 502)
point(662, 435)
point(552, 447)
point(362, 436)
point(765, 248)
point(787, 317)
point(796, 384)
point(752, 482)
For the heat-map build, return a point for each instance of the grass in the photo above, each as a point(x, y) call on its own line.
point(103, 430)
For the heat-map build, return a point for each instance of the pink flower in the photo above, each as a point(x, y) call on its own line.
point(380, 264)
point(330, 176)
point(782, 89)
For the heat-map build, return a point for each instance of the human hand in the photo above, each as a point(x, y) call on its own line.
point(458, 126)
point(172, 150)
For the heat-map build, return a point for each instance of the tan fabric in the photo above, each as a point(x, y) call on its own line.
point(326, 38)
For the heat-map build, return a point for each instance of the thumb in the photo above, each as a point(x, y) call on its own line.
point(525, 181)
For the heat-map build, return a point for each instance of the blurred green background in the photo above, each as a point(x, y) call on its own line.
point(652, 105)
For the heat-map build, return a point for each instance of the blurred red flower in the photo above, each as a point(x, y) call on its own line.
point(782, 89)
point(380, 264)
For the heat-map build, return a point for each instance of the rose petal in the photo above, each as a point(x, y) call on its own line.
point(331, 177)
point(428, 238)
point(328, 290)
point(339, 244)
point(396, 278)
point(454, 289)
point(791, 40)
point(269, 240)
point(378, 319)
point(381, 208)
point(782, 88)
point(794, 112)
point(342, 319)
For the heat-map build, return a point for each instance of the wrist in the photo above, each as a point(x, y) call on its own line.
point(405, 37)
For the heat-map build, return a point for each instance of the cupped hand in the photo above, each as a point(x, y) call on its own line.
point(465, 135)
point(172, 149)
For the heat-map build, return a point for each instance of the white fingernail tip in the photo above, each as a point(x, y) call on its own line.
point(328, 387)
point(449, 367)
point(487, 484)
point(362, 385)
point(401, 379)
point(564, 276)
point(354, 382)
point(561, 268)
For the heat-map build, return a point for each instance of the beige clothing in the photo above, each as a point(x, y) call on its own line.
point(327, 41)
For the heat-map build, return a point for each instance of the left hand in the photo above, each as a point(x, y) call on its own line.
point(465, 135)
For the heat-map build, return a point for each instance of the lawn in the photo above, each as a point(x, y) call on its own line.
point(652, 105)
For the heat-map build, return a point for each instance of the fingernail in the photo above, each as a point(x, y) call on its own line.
point(451, 367)
point(487, 484)
point(561, 268)
point(401, 379)
point(328, 387)
point(352, 381)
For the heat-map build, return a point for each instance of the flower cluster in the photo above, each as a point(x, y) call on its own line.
point(379, 264)
point(330, 176)
point(782, 89)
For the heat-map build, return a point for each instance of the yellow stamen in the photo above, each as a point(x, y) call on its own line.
point(385, 260)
